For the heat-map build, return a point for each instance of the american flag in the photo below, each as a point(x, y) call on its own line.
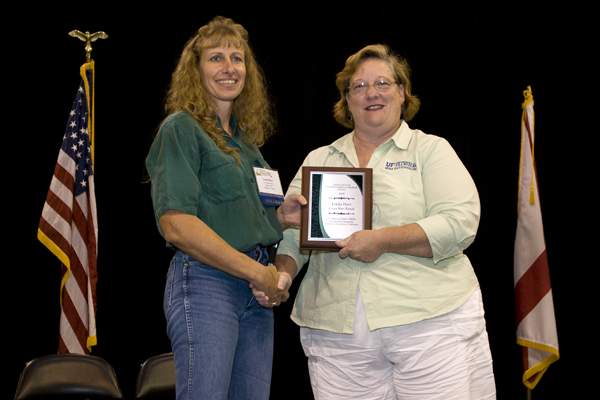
point(68, 225)
point(536, 325)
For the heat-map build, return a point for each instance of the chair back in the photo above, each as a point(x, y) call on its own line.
point(69, 375)
point(156, 379)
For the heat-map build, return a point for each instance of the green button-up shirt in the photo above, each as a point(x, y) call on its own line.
point(417, 178)
point(189, 173)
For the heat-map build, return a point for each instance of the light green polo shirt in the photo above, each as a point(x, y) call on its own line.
point(417, 178)
point(189, 173)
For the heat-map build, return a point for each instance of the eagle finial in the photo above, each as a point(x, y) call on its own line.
point(88, 38)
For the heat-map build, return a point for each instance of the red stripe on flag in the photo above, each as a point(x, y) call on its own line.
point(77, 325)
point(55, 237)
point(58, 206)
point(532, 286)
point(64, 176)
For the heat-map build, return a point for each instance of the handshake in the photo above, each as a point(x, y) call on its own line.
point(272, 287)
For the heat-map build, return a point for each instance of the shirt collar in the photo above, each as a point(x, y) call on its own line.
point(232, 124)
point(402, 136)
point(401, 139)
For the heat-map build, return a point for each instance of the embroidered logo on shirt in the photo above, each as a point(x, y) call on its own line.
point(400, 164)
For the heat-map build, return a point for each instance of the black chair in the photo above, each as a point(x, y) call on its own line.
point(72, 376)
point(156, 379)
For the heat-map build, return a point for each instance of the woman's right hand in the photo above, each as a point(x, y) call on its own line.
point(365, 246)
point(276, 295)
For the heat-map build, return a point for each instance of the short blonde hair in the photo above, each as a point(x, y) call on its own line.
point(401, 71)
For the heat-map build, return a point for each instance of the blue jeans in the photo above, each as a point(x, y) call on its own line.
point(221, 337)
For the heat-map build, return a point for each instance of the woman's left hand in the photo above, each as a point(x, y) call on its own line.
point(365, 246)
point(288, 212)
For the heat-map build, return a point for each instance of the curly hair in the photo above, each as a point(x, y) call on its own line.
point(400, 68)
point(251, 108)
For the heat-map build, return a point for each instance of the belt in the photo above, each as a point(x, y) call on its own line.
point(262, 254)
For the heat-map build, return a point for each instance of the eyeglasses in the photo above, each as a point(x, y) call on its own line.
point(360, 87)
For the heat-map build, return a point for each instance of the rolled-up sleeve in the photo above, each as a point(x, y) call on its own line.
point(452, 201)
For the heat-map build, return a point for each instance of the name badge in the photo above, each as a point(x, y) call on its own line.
point(269, 186)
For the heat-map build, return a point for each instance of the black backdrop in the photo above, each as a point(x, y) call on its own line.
point(470, 67)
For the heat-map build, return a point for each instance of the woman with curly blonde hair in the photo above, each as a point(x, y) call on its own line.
point(208, 209)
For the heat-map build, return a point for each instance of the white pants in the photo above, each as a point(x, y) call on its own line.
point(446, 358)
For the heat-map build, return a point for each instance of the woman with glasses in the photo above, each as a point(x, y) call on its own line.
point(397, 313)
point(207, 207)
